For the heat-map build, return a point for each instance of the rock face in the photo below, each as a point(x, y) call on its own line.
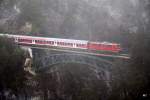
point(26, 28)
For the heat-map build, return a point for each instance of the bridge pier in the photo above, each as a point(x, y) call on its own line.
point(29, 60)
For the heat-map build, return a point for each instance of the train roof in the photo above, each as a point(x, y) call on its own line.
point(47, 38)
point(106, 43)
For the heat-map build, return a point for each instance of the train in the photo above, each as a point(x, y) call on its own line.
point(65, 43)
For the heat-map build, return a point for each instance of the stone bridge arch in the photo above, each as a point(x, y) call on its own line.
point(101, 67)
point(54, 59)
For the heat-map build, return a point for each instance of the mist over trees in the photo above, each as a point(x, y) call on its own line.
point(12, 74)
point(97, 20)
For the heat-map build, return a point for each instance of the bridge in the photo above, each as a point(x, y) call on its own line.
point(99, 61)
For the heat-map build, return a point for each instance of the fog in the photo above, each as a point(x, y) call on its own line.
point(81, 19)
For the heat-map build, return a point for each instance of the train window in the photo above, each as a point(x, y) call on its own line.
point(59, 43)
point(83, 45)
point(40, 41)
point(52, 42)
point(47, 42)
point(71, 44)
point(44, 42)
point(62, 43)
point(78, 45)
point(25, 40)
point(20, 40)
point(65, 44)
